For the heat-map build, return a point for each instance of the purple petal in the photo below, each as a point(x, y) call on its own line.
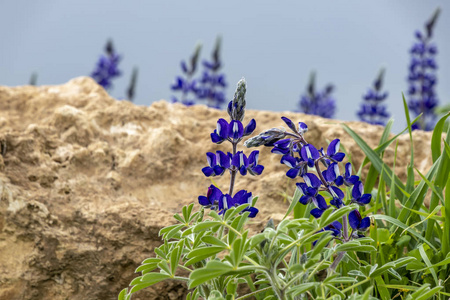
point(365, 223)
point(338, 156)
point(357, 190)
point(302, 187)
point(292, 173)
point(353, 179)
point(222, 128)
point(289, 161)
point(348, 170)
point(218, 170)
point(304, 199)
point(333, 148)
point(250, 127)
point(336, 225)
point(312, 180)
point(309, 152)
point(235, 130)
point(365, 199)
point(256, 170)
point(289, 123)
point(243, 171)
point(316, 213)
point(240, 160)
point(208, 171)
point(302, 127)
point(203, 201)
point(281, 151)
point(211, 159)
point(223, 159)
point(320, 202)
point(354, 219)
point(215, 138)
point(284, 143)
point(339, 180)
point(337, 192)
point(253, 157)
point(253, 211)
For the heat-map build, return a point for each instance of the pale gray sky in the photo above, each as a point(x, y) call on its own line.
point(273, 44)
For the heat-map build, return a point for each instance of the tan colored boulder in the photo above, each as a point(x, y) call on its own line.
point(86, 183)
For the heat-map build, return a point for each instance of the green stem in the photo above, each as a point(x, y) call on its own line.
point(254, 293)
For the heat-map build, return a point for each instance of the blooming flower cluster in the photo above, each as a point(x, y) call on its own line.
point(212, 83)
point(304, 160)
point(107, 67)
point(422, 77)
point(185, 83)
point(372, 111)
point(319, 103)
point(234, 162)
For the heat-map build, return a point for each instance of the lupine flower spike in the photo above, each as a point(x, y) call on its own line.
point(212, 83)
point(234, 162)
point(303, 158)
point(319, 103)
point(107, 67)
point(372, 111)
point(185, 83)
point(422, 77)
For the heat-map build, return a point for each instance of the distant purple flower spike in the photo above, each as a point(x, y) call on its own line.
point(422, 96)
point(309, 154)
point(357, 222)
point(318, 103)
point(107, 67)
point(358, 196)
point(372, 111)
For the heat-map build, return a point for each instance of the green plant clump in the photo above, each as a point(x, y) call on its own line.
point(388, 243)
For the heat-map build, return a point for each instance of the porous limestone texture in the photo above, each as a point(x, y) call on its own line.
point(86, 183)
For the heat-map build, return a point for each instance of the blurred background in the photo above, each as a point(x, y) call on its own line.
point(274, 45)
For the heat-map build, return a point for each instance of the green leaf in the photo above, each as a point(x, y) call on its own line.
point(436, 138)
point(321, 243)
point(174, 259)
point(384, 293)
point(381, 270)
point(147, 267)
point(212, 270)
point(425, 258)
point(402, 225)
point(205, 225)
point(205, 251)
point(301, 288)
point(426, 295)
point(294, 202)
point(123, 294)
point(336, 215)
point(154, 277)
point(209, 239)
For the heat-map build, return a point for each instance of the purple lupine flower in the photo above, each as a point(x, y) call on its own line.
point(335, 228)
point(107, 67)
point(185, 83)
point(422, 79)
point(212, 83)
point(358, 196)
point(253, 167)
point(349, 179)
point(357, 222)
point(220, 134)
point(235, 130)
point(332, 151)
point(310, 191)
point(297, 166)
point(212, 198)
point(337, 195)
point(332, 174)
point(318, 103)
point(240, 198)
point(217, 164)
point(372, 111)
point(309, 154)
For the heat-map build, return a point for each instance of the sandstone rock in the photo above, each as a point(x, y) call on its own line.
point(86, 183)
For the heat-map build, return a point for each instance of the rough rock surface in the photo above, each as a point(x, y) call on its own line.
point(87, 181)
